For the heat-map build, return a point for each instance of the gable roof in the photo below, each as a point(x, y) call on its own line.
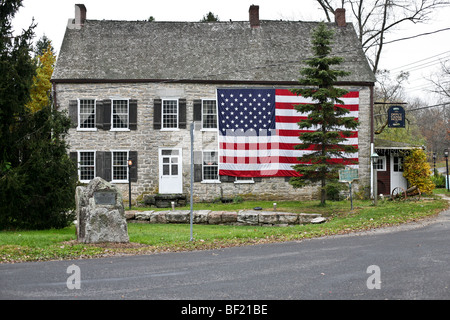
point(196, 51)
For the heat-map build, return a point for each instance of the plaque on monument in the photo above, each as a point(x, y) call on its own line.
point(100, 213)
point(105, 198)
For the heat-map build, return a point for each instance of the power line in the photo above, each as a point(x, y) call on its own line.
point(418, 35)
point(406, 65)
point(415, 109)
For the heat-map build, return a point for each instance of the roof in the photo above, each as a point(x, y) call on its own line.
point(217, 51)
point(382, 144)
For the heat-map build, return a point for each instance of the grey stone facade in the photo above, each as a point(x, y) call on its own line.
point(147, 141)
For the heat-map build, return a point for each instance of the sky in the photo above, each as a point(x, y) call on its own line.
point(421, 56)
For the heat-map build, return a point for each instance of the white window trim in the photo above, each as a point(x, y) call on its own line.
point(383, 158)
point(203, 172)
point(112, 167)
point(243, 181)
point(79, 118)
point(209, 129)
point(78, 164)
point(177, 114)
point(128, 115)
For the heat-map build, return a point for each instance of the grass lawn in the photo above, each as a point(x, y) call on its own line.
point(20, 246)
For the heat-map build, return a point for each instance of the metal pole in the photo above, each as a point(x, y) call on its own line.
point(192, 177)
point(375, 186)
point(129, 187)
point(446, 165)
point(351, 198)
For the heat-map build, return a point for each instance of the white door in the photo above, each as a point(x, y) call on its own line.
point(170, 171)
point(397, 178)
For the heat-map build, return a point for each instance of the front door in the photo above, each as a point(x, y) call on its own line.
point(397, 178)
point(170, 171)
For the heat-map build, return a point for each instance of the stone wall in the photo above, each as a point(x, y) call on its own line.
point(146, 141)
point(240, 218)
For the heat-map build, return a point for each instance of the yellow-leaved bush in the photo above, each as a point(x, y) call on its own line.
point(417, 171)
point(40, 91)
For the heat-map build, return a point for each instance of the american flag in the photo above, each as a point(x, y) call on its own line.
point(258, 131)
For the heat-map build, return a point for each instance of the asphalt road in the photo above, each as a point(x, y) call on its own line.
point(407, 262)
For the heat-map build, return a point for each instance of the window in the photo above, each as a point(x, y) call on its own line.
point(86, 111)
point(210, 165)
point(119, 114)
point(398, 164)
point(86, 167)
point(169, 114)
point(120, 166)
point(381, 164)
point(209, 114)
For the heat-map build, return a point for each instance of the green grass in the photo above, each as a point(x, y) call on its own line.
point(19, 246)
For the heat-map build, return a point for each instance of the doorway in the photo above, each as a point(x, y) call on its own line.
point(170, 171)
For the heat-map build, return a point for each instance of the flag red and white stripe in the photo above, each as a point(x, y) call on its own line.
point(258, 129)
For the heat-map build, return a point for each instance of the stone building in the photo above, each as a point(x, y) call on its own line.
point(133, 89)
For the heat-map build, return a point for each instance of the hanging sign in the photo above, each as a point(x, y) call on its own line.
point(396, 117)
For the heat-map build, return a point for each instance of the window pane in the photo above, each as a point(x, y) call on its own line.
point(174, 169)
point(120, 106)
point(120, 165)
point(87, 113)
point(210, 165)
point(120, 114)
point(166, 170)
point(170, 152)
point(209, 114)
point(87, 166)
point(170, 114)
point(210, 173)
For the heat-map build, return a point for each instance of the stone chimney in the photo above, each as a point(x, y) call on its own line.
point(80, 17)
point(339, 17)
point(254, 16)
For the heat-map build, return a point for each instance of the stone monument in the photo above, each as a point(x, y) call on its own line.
point(100, 213)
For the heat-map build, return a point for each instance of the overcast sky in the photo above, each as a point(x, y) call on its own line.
point(421, 56)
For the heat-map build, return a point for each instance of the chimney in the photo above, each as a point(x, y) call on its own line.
point(339, 17)
point(254, 16)
point(80, 15)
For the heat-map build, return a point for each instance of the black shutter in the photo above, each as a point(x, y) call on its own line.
point(198, 110)
point(182, 114)
point(107, 114)
point(99, 114)
point(157, 105)
point(133, 155)
point(198, 167)
point(133, 114)
point(74, 157)
point(73, 113)
point(103, 165)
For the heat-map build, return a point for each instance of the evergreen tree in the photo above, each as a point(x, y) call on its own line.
point(16, 77)
point(326, 123)
point(37, 177)
point(210, 17)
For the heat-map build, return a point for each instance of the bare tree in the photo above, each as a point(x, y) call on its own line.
point(441, 81)
point(389, 91)
point(374, 19)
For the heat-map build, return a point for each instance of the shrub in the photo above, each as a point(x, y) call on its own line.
point(417, 171)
